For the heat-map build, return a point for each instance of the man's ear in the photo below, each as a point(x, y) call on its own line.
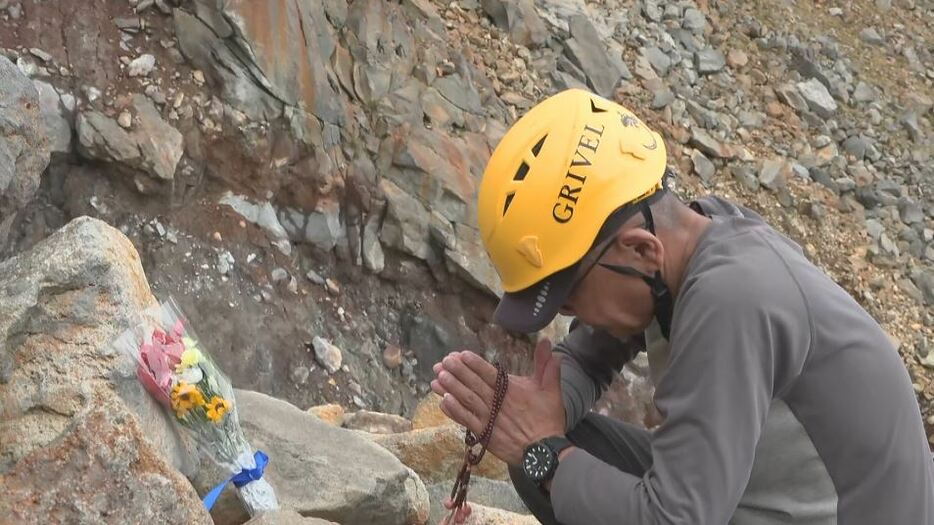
point(646, 249)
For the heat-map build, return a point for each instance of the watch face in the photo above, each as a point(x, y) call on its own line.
point(538, 462)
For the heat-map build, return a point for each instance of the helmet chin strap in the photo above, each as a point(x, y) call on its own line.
point(661, 294)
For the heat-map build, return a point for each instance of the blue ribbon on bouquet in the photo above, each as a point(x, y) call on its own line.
point(240, 479)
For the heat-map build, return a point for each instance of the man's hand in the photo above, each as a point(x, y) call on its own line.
point(532, 409)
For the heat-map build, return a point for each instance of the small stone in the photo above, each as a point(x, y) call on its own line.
point(845, 184)
point(131, 24)
point(198, 77)
point(15, 11)
point(836, 11)
point(770, 175)
point(874, 228)
point(910, 211)
point(327, 355)
point(27, 67)
point(746, 176)
point(652, 11)
point(332, 287)
point(856, 146)
point(217, 236)
point(701, 140)
point(709, 61)
point(153, 92)
point(818, 98)
point(800, 171)
point(359, 402)
point(864, 92)
point(662, 98)
point(299, 374)
point(910, 121)
point(694, 20)
point(223, 266)
point(142, 66)
point(40, 54)
point(392, 357)
point(790, 95)
point(774, 109)
point(702, 166)
point(125, 120)
point(752, 119)
point(871, 36)
point(279, 274)
point(924, 280)
point(912, 291)
point(315, 278)
point(660, 61)
point(737, 58)
point(884, 5)
point(888, 245)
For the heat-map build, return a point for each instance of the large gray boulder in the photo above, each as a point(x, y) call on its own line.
point(24, 149)
point(80, 438)
point(326, 472)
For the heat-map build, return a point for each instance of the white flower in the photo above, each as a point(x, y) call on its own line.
point(192, 375)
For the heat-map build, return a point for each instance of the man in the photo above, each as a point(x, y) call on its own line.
point(782, 400)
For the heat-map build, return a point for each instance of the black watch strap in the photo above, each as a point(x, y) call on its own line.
point(557, 444)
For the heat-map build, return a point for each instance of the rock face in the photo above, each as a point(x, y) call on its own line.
point(70, 406)
point(24, 148)
point(57, 114)
point(101, 465)
point(587, 51)
point(265, 56)
point(327, 472)
point(152, 146)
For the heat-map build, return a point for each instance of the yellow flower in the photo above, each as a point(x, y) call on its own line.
point(217, 408)
point(185, 397)
point(190, 358)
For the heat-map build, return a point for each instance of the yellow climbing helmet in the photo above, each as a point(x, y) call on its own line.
point(555, 177)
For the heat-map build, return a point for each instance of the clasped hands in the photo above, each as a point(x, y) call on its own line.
point(532, 409)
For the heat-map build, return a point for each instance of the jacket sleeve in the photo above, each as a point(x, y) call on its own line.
point(592, 358)
point(729, 357)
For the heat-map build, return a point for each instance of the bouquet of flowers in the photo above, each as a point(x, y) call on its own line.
point(183, 378)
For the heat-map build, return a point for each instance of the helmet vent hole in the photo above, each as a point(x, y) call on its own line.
point(521, 172)
point(595, 109)
point(538, 146)
point(508, 202)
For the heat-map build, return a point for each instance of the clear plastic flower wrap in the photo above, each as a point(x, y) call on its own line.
point(177, 371)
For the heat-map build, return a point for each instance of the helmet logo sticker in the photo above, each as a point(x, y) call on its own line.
point(528, 247)
point(629, 121)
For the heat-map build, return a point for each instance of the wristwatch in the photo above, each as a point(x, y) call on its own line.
point(540, 460)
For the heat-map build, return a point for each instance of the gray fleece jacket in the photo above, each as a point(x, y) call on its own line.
point(783, 400)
